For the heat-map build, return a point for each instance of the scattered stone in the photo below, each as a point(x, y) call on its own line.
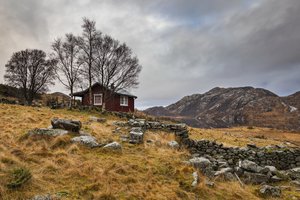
point(269, 191)
point(47, 132)
point(136, 136)
point(42, 197)
point(250, 166)
point(124, 138)
point(97, 119)
point(196, 179)
point(223, 171)
point(117, 130)
point(203, 164)
point(209, 183)
point(173, 144)
point(70, 125)
point(255, 178)
point(253, 146)
point(137, 122)
point(150, 141)
point(113, 146)
point(89, 141)
point(296, 183)
point(294, 173)
point(120, 123)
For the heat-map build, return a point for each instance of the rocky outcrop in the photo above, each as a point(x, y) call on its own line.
point(225, 107)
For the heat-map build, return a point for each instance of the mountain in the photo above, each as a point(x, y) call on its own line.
point(225, 107)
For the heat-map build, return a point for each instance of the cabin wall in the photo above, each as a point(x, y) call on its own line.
point(113, 104)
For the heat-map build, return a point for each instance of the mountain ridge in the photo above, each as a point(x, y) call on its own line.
point(226, 107)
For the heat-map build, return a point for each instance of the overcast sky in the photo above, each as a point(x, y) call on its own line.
point(184, 46)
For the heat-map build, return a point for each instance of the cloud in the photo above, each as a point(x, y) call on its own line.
point(184, 47)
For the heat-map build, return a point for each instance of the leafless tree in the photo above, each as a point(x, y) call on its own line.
point(68, 63)
point(30, 71)
point(115, 66)
point(87, 44)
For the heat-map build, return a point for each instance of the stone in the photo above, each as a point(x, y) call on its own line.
point(209, 183)
point(269, 191)
point(97, 119)
point(173, 144)
point(47, 132)
point(70, 125)
point(120, 123)
point(137, 122)
point(275, 179)
point(222, 171)
point(296, 183)
point(136, 136)
point(294, 173)
point(196, 179)
point(124, 138)
point(177, 127)
point(250, 166)
point(255, 178)
point(88, 141)
point(201, 163)
point(253, 146)
point(272, 169)
point(42, 197)
point(113, 146)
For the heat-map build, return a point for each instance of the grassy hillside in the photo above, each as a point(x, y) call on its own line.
point(148, 171)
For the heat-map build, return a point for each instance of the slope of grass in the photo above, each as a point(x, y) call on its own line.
point(71, 171)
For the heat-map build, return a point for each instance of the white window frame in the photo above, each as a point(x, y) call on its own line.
point(123, 100)
point(97, 95)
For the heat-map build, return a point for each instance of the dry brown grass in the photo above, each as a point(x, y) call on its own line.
point(149, 171)
point(241, 136)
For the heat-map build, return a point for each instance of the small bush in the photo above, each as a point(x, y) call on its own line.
point(18, 177)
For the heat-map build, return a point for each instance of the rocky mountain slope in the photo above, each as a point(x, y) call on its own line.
point(225, 107)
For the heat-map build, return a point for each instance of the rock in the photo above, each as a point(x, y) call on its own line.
point(47, 132)
point(137, 122)
point(209, 183)
point(97, 119)
point(113, 146)
point(42, 197)
point(173, 144)
point(255, 178)
point(120, 123)
point(222, 171)
point(89, 141)
point(117, 130)
point(177, 127)
point(272, 169)
point(269, 191)
point(250, 166)
point(203, 164)
point(136, 136)
point(275, 179)
point(196, 179)
point(294, 173)
point(253, 146)
point(70, 125)
point(150, 141)
point(296, 183)
point(124, 138)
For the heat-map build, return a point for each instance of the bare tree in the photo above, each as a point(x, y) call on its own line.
point(30, 71)
point(68, 64)
point(115, 66)
point(87, 44)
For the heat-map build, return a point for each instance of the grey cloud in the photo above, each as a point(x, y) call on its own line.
point(184, 46)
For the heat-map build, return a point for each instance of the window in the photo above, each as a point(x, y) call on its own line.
point(97, 99)
point(124, 101)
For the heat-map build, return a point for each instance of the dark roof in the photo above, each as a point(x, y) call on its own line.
point(120, 91)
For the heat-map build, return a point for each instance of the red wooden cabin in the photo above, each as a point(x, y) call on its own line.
point(120, 101)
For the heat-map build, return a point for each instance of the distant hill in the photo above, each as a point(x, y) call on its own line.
point(225, 107)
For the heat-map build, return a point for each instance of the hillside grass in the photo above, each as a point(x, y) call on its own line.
point(71, 171)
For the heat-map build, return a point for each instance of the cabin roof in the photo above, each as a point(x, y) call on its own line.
point(120, 92)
